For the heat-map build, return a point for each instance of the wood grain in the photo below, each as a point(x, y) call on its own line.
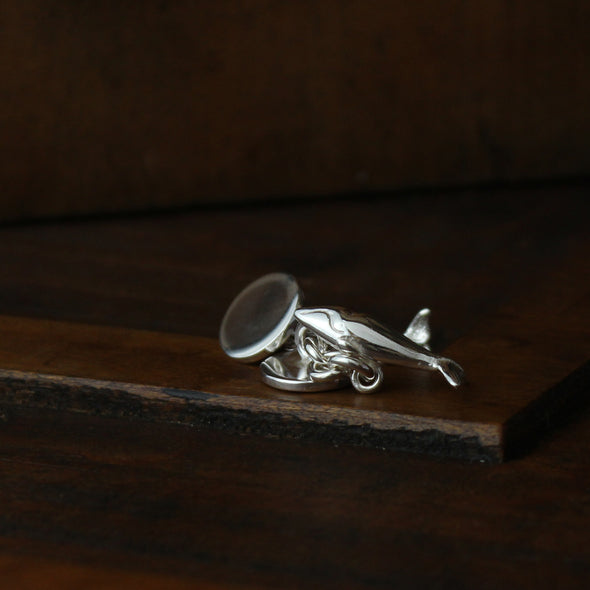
point(90, 500)
point(127, 106)
point(130, 499)
point(158, 273)
point(514, 362)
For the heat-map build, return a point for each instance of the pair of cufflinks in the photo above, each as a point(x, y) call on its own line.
point(318, 349)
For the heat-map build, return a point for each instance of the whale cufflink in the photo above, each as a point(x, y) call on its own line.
point(319, 349)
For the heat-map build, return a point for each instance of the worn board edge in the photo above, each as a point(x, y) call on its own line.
point(247, 415)
point(493, 437)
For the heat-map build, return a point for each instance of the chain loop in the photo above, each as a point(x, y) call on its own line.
point(327, 361)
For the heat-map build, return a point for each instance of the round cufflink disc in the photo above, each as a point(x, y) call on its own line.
point(258, 320)
point(290, 372)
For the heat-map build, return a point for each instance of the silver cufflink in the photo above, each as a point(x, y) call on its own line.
point(318, 349)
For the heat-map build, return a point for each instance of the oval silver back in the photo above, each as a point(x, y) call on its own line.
point(257, 322)
point(288, 371)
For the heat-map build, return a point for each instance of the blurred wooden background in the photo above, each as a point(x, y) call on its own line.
point(114, 105)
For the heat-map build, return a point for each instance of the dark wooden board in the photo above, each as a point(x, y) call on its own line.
point(162, 274)
point(514, 361)
point(92, 500)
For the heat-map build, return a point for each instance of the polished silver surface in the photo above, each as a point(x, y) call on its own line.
point(325, 359)
point(289, 371)
point(259, 320)
point(322, 348)
point(316, 365)
point(419, 329)
point(361, 337)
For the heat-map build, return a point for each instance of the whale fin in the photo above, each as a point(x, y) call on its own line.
point(451, 370)
point(419, 329)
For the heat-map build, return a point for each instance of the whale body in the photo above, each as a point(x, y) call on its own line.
point(357, 333)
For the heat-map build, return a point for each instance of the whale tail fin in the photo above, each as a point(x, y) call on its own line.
point(419, 329)
point(451, 370)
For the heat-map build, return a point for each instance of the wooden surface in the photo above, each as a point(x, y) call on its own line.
point(117, 501)
point(516, 362)
point(124, 106)
point(91, 500)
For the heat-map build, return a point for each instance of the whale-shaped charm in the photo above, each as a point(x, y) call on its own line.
point(315, 365)
point(359, 344)
point(318, 349)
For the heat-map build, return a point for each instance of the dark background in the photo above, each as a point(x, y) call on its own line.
point(125, 105)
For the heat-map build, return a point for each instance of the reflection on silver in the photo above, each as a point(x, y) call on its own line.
point(366, 341)
point(326, 360)
point(321, 348)
point(419, 329)
point(259, 319)
point(289, 371)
